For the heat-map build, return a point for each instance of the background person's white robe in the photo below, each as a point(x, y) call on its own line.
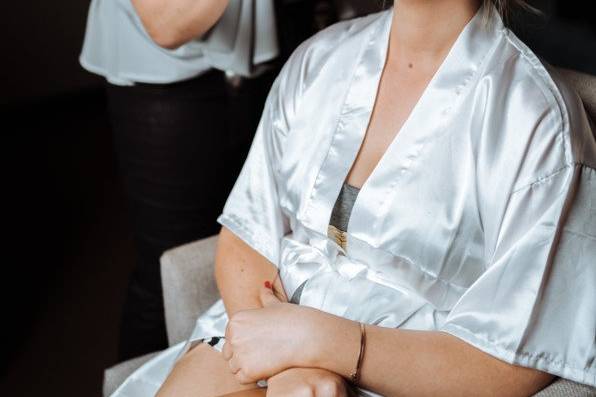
point(478, 221)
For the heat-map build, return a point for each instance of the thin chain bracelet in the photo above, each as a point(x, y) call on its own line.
point(355, 376)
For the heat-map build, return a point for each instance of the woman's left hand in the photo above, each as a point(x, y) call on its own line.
point(307, 382)
point(263, 342)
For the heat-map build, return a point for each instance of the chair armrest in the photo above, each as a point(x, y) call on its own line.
point(585, 86)
point(188, 285)
point(566, 388)
point(114, 376)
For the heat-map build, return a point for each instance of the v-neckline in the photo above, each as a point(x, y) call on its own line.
point(360, 100)
point(385, 58)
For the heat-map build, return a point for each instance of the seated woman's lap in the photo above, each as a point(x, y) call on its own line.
point(247, 393)
point(203, 372)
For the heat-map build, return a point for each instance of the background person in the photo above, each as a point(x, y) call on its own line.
point(174, 118)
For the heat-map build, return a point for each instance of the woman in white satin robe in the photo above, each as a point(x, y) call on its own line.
point(479, 220)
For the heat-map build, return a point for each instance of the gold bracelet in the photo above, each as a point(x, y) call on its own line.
point(355, 376)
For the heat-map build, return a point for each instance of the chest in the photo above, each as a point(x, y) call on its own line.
point(421, 202)
point(419, 197)
point(399, 90)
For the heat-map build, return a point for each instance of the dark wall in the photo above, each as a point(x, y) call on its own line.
point(41, 41)
point(564, 35)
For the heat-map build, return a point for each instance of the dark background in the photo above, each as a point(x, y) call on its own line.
point(69, 248)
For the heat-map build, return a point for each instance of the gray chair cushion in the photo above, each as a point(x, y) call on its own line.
point(188, 285)
point(585, 86)
point(566, 388)
point(116, 375)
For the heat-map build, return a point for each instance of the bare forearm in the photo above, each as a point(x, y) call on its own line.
point(240, 272)
point(405, 362)
point(171, 23)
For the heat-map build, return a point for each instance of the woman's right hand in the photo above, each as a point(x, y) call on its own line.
point(307, 382)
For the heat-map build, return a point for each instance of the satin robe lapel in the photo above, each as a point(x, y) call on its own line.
point(457, 74)
point(351, 127)
point(429, 118)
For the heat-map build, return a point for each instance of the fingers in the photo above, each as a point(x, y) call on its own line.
point(228, 355)
point(233, 366)
point(227, 350)
point(278, 289)
point(243, 378)
point(308, 382)
point(267, 297)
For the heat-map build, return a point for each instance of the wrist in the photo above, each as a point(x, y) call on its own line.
point(308, 348)
point(334, 343)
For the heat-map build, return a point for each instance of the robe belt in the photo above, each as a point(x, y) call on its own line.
point(299, 261)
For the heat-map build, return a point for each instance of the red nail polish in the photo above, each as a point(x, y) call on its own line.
point(267, 284)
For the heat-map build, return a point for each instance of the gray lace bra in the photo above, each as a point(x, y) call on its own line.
point(343, 206)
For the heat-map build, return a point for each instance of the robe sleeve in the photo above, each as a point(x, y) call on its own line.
point(535, 304)
point(252, 210)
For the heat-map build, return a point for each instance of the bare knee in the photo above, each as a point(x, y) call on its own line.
point(201, 372)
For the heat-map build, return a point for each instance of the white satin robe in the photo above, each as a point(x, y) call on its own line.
point(478, 221)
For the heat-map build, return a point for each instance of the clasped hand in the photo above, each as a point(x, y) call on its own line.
point(265, 341)
point(276, 343)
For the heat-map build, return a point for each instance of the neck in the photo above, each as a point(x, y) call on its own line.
point(425, 30)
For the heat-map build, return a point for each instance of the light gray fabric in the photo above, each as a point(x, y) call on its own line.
point(566, 388)
point(243, 39)
point(114, 376)
point(585, 86)
point(188, 285)
point(117, 45)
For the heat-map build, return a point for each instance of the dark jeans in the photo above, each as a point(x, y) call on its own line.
point(180, 148)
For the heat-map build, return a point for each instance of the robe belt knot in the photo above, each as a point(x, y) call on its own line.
point(300, 261)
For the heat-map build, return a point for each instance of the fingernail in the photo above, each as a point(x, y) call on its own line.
point(267, 284)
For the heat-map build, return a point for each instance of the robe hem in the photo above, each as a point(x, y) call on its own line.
point(525, 359)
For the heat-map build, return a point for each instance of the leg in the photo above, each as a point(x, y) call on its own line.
point(203, 372)
point(247, 393)
point(169, 140)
